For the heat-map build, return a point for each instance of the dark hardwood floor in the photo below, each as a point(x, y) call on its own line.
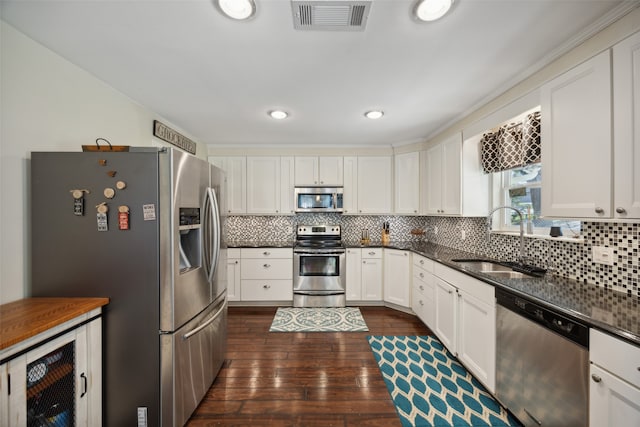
point(302, 379)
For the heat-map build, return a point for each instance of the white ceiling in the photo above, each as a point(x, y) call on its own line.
point(216, 78)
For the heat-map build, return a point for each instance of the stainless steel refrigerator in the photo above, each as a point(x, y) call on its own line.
point(142, 228)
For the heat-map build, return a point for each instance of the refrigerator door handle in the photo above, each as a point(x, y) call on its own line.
point(208, 322)
point(212, 241)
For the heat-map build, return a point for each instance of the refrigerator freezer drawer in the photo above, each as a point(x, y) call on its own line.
point(191, 359)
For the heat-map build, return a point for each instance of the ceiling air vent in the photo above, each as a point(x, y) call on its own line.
point(330, 15)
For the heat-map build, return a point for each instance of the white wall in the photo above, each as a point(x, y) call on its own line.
point(49, 104)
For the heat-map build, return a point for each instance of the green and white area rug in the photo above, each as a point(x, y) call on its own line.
point(343, 319)
point(430, 388)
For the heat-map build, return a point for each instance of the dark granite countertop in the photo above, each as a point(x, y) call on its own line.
point(258, 244)
point(605, 309)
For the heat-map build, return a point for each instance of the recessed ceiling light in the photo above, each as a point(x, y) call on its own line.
point(237, 9)
point(430, 10)
point(278, 114)
point(374, 114)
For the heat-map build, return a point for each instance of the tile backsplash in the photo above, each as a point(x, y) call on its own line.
point(568, 259)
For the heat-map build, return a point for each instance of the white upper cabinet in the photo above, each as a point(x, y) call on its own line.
point(374, 184)
point(287, 202)
point(263, 185)
point(350, 195)
point(324, 170)
point(576, 141)
point(453, 183)
point(407, 183)
point(235, 169)
point(626, 131)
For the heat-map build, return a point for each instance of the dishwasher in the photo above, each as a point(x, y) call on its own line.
point(542, 363)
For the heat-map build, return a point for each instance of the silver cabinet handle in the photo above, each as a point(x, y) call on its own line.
point(267, 286)
point(421, 262)
point(421, 303)
point(236, 261)
point(405, 254)
point(364, 262)
point(421, 288)
point(599, 211)
point(265, 253)
point(450, 292)
point(621, 210)
point(422, 275)
point(372, 253)
point(267, 265)
point(596, 378)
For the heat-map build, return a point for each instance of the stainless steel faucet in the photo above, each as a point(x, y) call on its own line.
point(522, 257)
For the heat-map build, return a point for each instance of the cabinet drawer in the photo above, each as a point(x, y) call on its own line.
point(371, 252)
point(233, 253)
point(615, 355)
point(266, 290)
point(423, 263)
point(477, 288)
point(264, 253)
point(260, 269)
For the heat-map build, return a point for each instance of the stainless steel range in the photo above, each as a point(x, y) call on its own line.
point(319, 267)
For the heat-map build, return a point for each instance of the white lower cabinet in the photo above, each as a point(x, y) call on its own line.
point(233, 275)
point(423, 289)
point(614, 388)
point(446, 322)
point(56, 383)
point(397, 277)
point(465, 321)
point(353, 275)
point(372, 274)
point(266, 274)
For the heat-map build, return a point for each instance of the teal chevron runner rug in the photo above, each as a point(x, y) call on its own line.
point(430, 388)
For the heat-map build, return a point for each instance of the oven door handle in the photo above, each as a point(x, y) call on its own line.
point(323, 293)
point(314, 253)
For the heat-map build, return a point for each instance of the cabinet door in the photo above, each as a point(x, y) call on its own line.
point(372, 279)
point(407, 183)
point(350, 196)
point(306, 170)
point(374, 185)
point(446, 314)
point(233, 279)
point(56, 383)
point(263, 185)
point(330, 170)
point(477, 338)
point(451, 175)
point(612, 402)
point(354, 275)
point(626, 127)
point(433, 195)
point(235, 169)
point(287, 199)
point(397, 277)
point(576, 141)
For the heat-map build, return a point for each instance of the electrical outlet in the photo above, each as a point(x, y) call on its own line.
point(435, 229)
point(602, 255)
point(463, 234)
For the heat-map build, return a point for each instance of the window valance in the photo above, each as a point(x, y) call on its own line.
point(512, 146)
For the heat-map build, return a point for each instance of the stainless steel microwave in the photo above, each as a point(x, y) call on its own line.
point(318, 199)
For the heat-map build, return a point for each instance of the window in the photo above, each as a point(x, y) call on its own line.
point(521, 188)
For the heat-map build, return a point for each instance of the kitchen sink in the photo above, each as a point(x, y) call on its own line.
point(507, 270)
